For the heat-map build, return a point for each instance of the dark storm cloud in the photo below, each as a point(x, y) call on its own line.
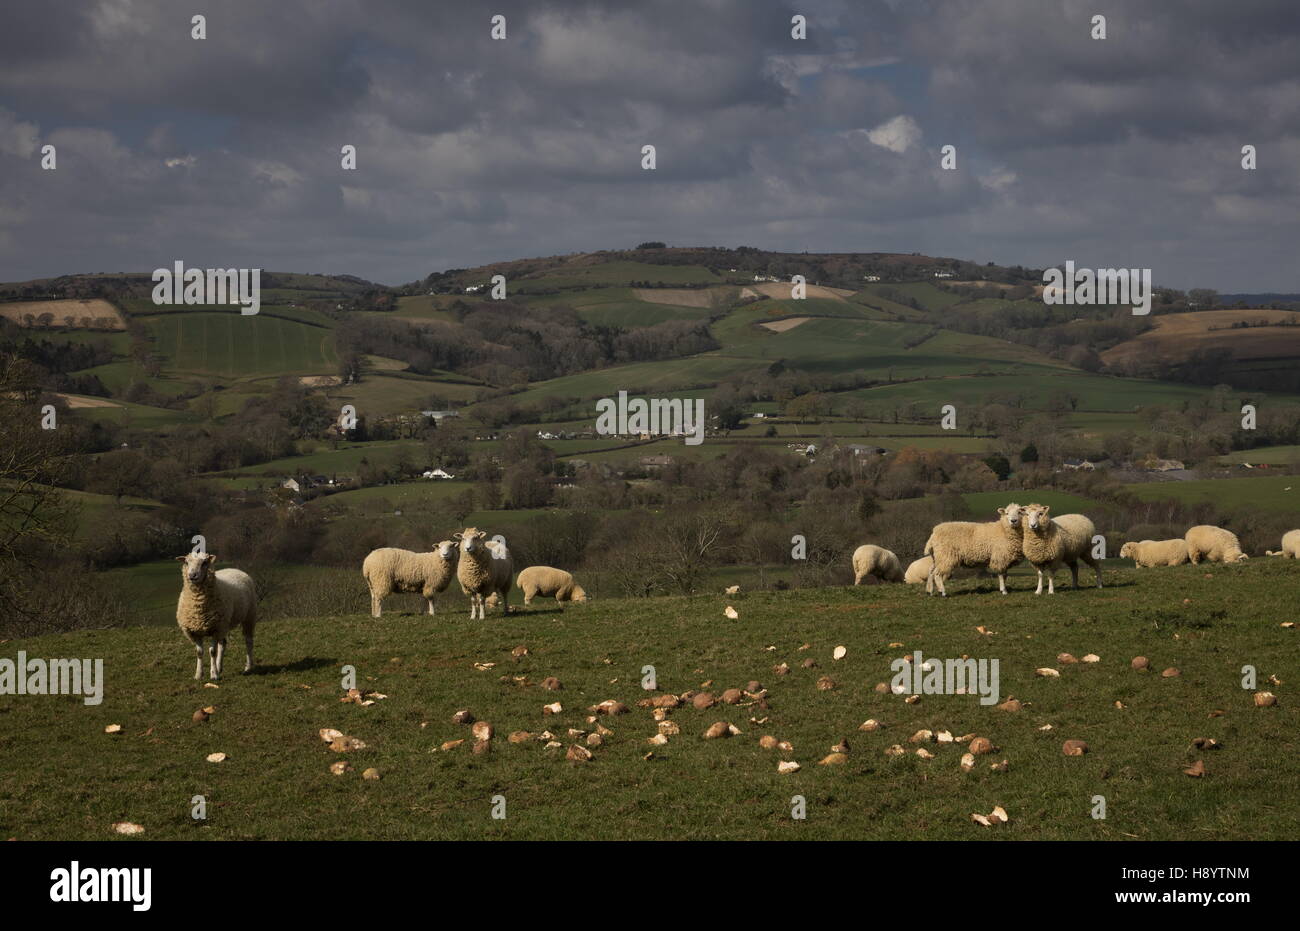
point(226, 151)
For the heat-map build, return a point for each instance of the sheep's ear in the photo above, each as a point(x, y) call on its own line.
point(456, 535)
point(482, 534)
point(1046, 508)
point(1002, 510)
point(181, 558)
point(211, 557)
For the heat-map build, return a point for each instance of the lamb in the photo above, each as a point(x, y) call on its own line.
point(546, 581)
point(1155, 552)
point(1052, 542)
point(919, 570)
point(388, 570)
point(1290, 546)
point(484, 568)
point(993, 545)
point(1213, 544)
point(212, 603)
point(877, 561)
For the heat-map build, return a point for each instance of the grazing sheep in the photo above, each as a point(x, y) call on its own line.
point(213, 603)
point(484, 568)
point(877, 561)
point(1155, 553)
point(546, 581)
point(390, 570)
point(992, 545)
point(1052, 542)
point(1290, 545)
point(919, 570)
point(1213, 544)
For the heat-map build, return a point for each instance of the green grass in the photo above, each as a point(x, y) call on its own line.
point(231, 345)
point(1265, 491)
point(1272, 455)
point(984, 504)
point(63, 778)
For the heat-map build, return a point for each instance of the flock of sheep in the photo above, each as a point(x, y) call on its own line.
point(213, 602)
point(1047, 543)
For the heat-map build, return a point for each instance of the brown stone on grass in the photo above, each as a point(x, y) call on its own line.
point(717, 729)
point(1140, 662)
point(1074, 748)
point(702, 700)
point(551, 684)
point(732, 696)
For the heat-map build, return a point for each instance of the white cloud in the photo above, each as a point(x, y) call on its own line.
point(896, 135)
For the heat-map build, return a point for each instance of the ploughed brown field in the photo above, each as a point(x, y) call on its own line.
point(1175, 336)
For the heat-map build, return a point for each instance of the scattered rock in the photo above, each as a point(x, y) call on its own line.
point(825, 684)
point(924, 753)
point(1000, 767)
point(912, 700)
point(717, 729)
point(113, 729)
point(519, 737)
point(833, 759)
point(578, 754)
point(553, 708)
point(126, 827)
point(371, 774)
point(1011, 704)
point(787, 766)
point(594, 740)
point(895, 750)
point(341, 767)
point(1047, 672)
point(200, 716)
point(809, 663)
point(730, 612)
point(1170, 673)
point(968, 761)
point(452, 744)
point(482, 746)
point(658, 739)
point(1265, 699)
point(1196, 770)
point(781, 670)
point(702, 701)
point(1092, 658)
point(1206, 743)
point(610, 707)
point(840, 652)
point(482, 730)
point(1065, 658)
point(551, 684)
point(342, 744)
point(1074, 748)
point(921, 736)
point(870, 724)
point(462, 717)
point(882, 688)
point(1140, 662)
point(733, 696)
point(669, 728)
point(217, 757)
point(981, 745)
point(519, 652)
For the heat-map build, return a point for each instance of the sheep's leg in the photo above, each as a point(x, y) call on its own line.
point(376, 604)
point(198, 649)
point(219, 656)
point(212, 660)
point(248, 647)
point(1051, 580)
point(1074, 571)
point(929, 582)
point(1039, 589)
point(429, 599)
point(1002, 582)
point(939, 580)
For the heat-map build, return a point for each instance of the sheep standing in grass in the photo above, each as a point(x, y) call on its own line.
point(546, 581)
point(993, 545)
point(919, 570)
point(1155, 553)
point(1213, 544)
point(390, 570)
point(213, 603)
point(1290, 545)
point(484, 568)
point(877, 561)
point(1052, 542)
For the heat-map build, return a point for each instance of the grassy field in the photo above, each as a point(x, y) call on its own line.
point(1278, 492)
point(63, 777)
point(231, 345)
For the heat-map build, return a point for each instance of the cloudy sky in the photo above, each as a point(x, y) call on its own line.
point(225, 151)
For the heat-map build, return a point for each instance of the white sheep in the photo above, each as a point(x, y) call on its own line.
point(1290, 546)
point(1155, 552)
point(1213, 544)
point(992, 545)
point(213, 603)
point(877, 561)
point(1052, 542)
point(389, 570)
point(546, 581)
point(484, 568)
point(919, 570)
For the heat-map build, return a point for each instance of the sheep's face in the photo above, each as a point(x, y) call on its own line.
point(196, 567)
point(472, 540)
point(578, 594)
point(1126, 551)
point(447, 550)
point(1036, 518)
point(1241, 558)
point(1012, 513)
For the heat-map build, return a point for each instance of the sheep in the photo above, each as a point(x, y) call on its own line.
point(212, 603)
point(484, 568)
point(992, 545)
point(1206, 542)
point(1290, 546)
point(1155, 552)
point(546, 581)
point(877, 561)
point(388, 570)
point(919, 570)
point(1052, 542)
